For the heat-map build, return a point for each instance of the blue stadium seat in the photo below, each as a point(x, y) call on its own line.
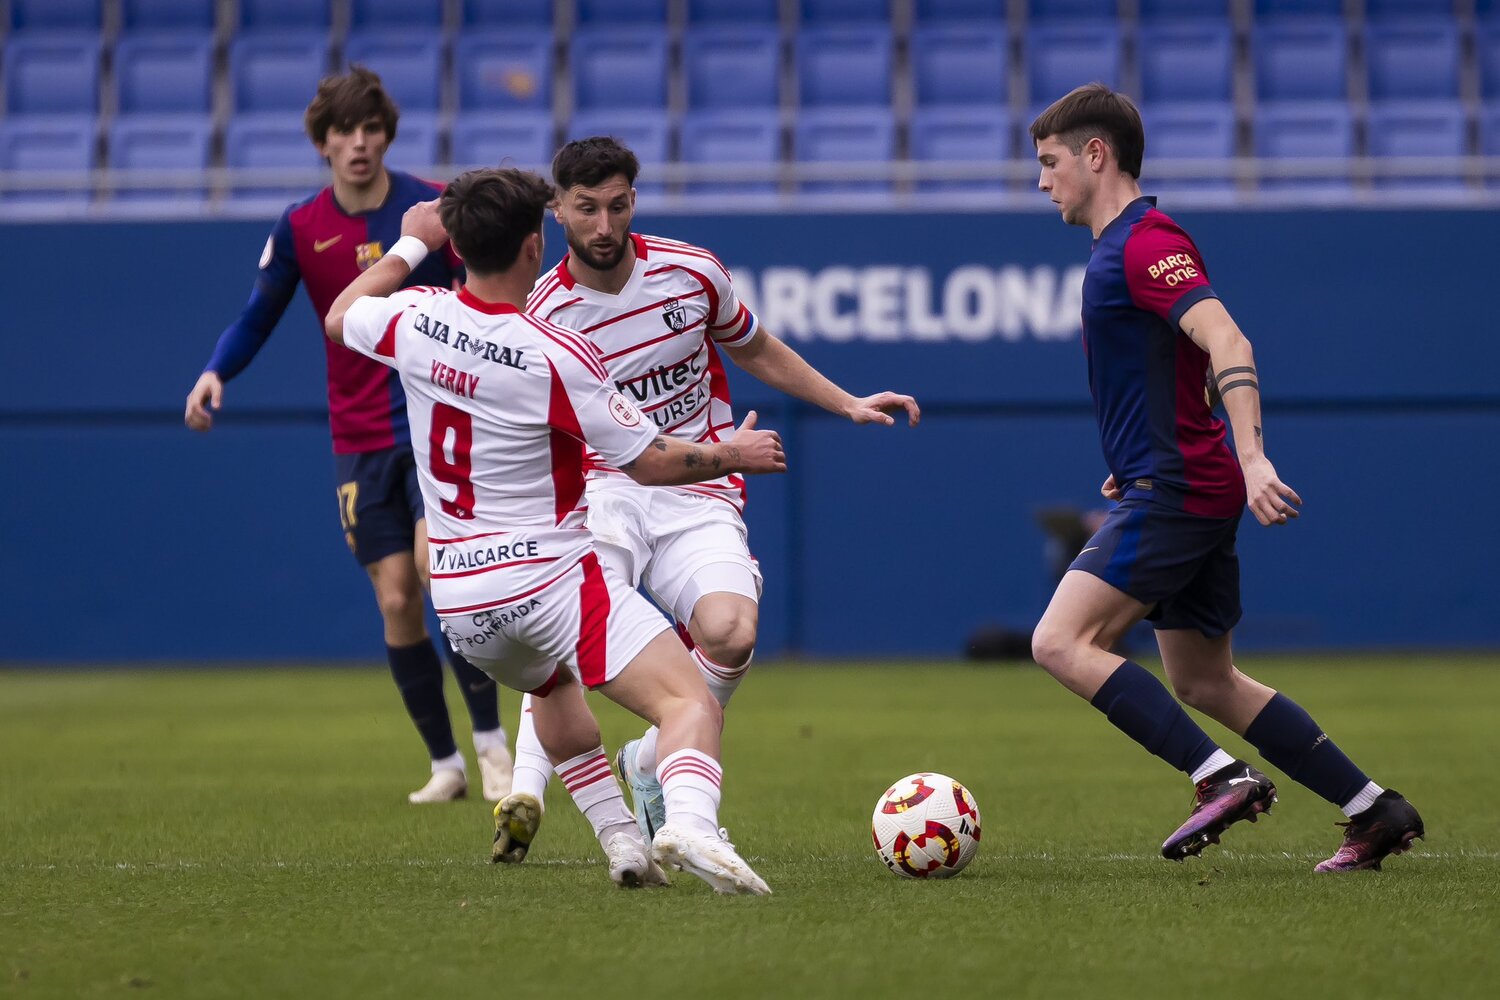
point(410, 65)
point(960, 65)
point(962, 135)
point(1487, 10)
point(647, 133)
point(276, 72)
point(642, 13)
point(619, 68)
point(519, 138)
point(1487, 40)
point(395, 15)
point(930, 12)
point(732, 12)
point(1320, 130)
point(1489, 137)
point(848, 67)
point(1177, 11)
point(1281, 10)
point(507, 14)
point(265, 141)
point(168, 15)
point(1073, 10)
point(1301, 61)
point(156, 73)
point(416, 148)
point(62, 145)
point(845, 136)
point(170, 142)
point(286, 15)
point(1061, 57)
point(48, 74)
point(737, 67)
point(503, 69)
point(1412, 60)
point(1189, 133)
point(1381, 10)
point(1418, 130)
point(845, 12)
point(738, 137)
point(56, 15)
point(1184, 63)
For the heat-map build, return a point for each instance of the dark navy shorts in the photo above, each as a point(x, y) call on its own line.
point(380, 502)
point(1183, 566)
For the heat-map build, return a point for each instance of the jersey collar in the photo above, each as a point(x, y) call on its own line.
point(474, 302)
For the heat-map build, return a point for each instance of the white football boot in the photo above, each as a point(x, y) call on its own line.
point(645, 792)
point(630, 864)
point(445, 785)
point(496, 772)
point(710, 857)
point(517, 819)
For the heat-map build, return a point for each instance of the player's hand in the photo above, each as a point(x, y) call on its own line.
point(756, 451)
point(208, 392)
point(423, 222)
point(1111, 490)
point(1269, 499)
point(877, 409)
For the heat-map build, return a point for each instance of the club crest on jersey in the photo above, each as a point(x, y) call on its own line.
point(674, 315)
point(368, 253)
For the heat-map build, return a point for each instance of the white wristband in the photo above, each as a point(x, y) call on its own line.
point(411, 250)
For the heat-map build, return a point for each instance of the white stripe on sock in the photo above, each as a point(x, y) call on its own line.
point(1363, 800)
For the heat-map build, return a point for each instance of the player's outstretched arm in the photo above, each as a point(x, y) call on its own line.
point(778, 366)
point(669, 461)
point(1232, 363)
point(421, 233)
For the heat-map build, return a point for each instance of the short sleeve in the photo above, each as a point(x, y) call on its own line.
point(587, 405)
point(732, 324)
point(1164, 271)
point(370, 323)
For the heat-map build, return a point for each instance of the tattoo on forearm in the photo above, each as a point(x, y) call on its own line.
point(696, 458)
point(1224, 389)
point(1257, 432)
point(660, 444)
point(1241, 370)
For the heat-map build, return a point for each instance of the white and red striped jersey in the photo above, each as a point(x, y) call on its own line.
point(503, 409)
point(656, 338)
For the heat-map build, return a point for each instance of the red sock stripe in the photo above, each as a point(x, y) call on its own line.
point(578, 770)
point(717, 669)
point(593, 624)
point(574, 787)
point(685, 766)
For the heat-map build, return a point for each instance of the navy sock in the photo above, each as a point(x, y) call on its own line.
point(419, 677)
point(478, 689)
point(1288, 737)
point(1145, 710)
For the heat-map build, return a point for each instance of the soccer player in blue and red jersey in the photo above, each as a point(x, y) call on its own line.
point(325, 241)
point(1156, 333)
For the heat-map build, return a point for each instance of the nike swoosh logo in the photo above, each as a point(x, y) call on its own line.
point(1091, 548)
point(320, 245)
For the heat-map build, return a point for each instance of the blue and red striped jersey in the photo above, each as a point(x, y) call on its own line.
point(1147, 377)
point(318, 243)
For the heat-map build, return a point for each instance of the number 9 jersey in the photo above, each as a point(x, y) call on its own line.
point(503, 408)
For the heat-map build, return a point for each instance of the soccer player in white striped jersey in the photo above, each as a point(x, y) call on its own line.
point(503, 409)
point(660, 312)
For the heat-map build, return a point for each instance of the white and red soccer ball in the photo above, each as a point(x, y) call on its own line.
point(926, 826)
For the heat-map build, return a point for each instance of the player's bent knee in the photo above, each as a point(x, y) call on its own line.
point(1204, 695)
point(1051, 648)
point(728, 640)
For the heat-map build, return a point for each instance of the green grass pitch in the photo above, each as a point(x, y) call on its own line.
point(245, 833)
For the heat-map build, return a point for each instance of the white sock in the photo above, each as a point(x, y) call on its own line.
point(1363, 800)
point(690, 781)
point(452, 762)
point(488, 739)
point(645, 754)
point(592, 784)
point(1217, 761)
point(533, 769)
point(722, 680)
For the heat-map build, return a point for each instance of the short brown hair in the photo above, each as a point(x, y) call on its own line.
point(592, 161)
point(344, 101)
point(1093, 111)
point(488, 213)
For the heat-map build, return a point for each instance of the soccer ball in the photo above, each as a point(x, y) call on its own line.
point(926, 826)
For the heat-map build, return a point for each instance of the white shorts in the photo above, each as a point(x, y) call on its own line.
point(590, 622)
point(680, 545)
